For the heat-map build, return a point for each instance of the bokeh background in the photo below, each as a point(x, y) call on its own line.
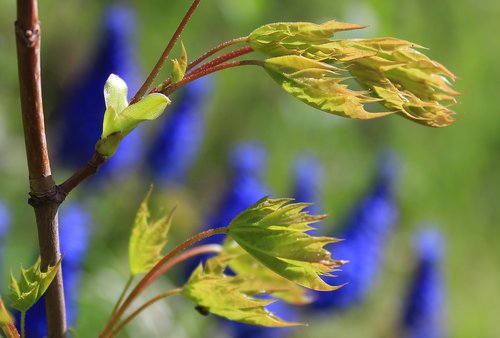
point(447, 179)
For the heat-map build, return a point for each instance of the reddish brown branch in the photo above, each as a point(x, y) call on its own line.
point(45, 197)
point(221, 59)
point(153, 275)
point(191, 77)
point(161, 61)
point(214, 51)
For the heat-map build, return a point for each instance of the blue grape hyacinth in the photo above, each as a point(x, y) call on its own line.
point(180, 135)
point(247, 162)
point(81, 111)
point(308, 182)
point(365, 235)
point(424, 308)
point(75, 225)
point(5, 219)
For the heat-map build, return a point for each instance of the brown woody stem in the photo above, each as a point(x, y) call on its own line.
point(45, 197)
point(89, 169)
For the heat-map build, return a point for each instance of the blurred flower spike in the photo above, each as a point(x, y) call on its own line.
point(121, 118)
point(315, 68)
point(424, 310)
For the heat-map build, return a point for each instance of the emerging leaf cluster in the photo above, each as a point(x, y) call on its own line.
point(315, 68)
point(148, 239)
point(31, 286)
point(270, 252)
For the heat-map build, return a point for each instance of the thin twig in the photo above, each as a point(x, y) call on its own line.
point(189, 78)
point(89, 169)
point(215, 50)
point(154, 273)
point(122, 295)
point(161, 61)
point(221, 59)
point(142, 308)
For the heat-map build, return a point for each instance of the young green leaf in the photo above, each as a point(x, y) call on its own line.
point(273, 232)
point(179, 67)
point(243, 264)
point(31, 286)
point(148, 239)
point(311, 82)
point(402, 79)
point(120, 118)
point(230, 297)
point(297, 38)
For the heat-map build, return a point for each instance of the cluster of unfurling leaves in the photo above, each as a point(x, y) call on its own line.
point(267, 250)
point(315, 68)
point(308, 63)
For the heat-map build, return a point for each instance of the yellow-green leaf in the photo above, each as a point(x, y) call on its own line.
point(273, 231)
point(179, 67)
point(297, 38)
point(148, 238)
point(312, 83)
point(31, 286)
point(243, 264)
point(230, 297)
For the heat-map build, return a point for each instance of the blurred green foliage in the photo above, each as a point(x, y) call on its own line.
point(449, 177)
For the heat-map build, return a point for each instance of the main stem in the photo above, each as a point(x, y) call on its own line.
point(45, 197)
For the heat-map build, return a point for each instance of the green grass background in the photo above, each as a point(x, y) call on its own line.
point(450, 177)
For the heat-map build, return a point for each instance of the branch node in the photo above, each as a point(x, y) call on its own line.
point(30, 36)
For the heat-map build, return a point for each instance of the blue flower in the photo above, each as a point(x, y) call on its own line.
point(308, 175)
point(365, 235)
point(82, 109)
point(247, 162)
point(4, 229)
point(424, 310)
point(74, 224)
point(179, 137)
point(4, 220)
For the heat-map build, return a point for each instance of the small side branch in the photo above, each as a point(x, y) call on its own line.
point(89, 169)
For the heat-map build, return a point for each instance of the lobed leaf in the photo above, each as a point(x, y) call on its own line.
point(31, 286)
point(230, 297)
point(311, 82)
point(148, 238)
point(243, 264)
point(273, 231)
